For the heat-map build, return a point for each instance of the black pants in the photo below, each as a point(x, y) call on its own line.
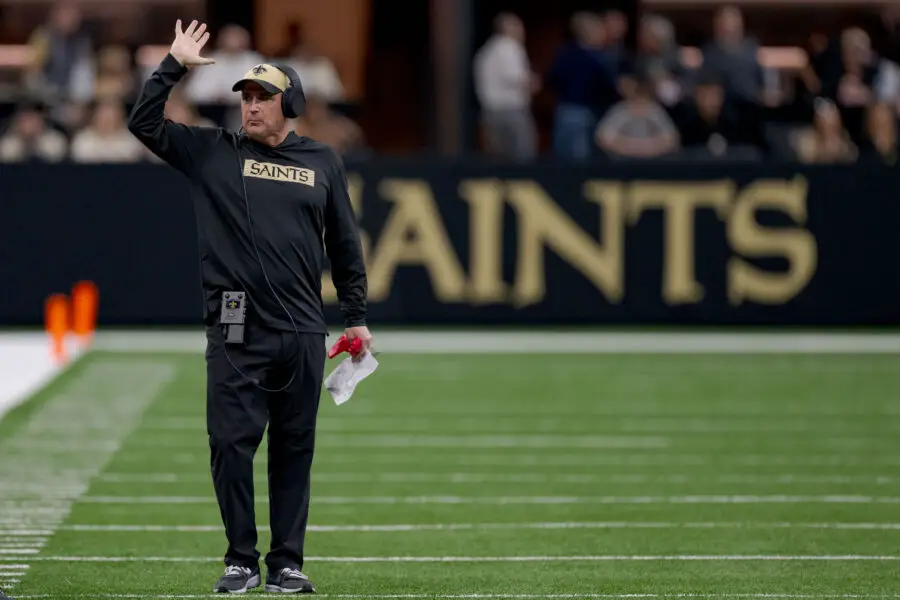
point(237, 412)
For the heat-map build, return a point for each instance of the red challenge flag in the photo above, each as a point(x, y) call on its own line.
point(345, 345)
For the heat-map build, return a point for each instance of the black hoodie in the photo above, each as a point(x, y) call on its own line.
point(299, 208)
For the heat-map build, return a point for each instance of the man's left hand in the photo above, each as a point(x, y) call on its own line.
point(361, 332)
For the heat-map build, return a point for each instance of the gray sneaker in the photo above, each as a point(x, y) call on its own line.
point(289, 581)
point(237, 580)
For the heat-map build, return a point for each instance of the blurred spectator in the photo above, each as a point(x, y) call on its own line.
point(887, 82)
point(884, 29)
point(826, 141)
point(733, 58)
point(107, 138)
point(658, 56)
point(30, 139)
point(638, 127)
point(322, 124)
point(705, 125)
point(212, 84)
point(882, 130)
point(504, 84)
point(115, 78)
point(60, 64)
point(583, 76)
point(847, 70)
point(318, 74)
point(615, 28)
point(821, 60)
point(854, 88)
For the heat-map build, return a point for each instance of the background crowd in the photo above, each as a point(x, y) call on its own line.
point(75, 93)
point(837, 102)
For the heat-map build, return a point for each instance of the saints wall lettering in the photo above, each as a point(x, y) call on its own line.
point(415, 234)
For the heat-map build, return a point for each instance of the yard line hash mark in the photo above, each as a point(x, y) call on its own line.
point(89, 419)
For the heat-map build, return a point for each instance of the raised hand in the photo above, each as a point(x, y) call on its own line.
point(188, 44)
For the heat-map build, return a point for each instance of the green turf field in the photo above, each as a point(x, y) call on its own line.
point(462, 475)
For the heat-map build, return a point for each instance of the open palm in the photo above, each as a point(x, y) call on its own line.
point(188, 44)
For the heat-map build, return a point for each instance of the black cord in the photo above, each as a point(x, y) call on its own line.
point(253, 380)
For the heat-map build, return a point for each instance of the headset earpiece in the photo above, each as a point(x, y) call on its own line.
point(293, 100)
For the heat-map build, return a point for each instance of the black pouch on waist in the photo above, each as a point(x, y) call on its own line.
point(233, 316)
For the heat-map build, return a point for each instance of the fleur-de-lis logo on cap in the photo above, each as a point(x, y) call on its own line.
point(259, 70)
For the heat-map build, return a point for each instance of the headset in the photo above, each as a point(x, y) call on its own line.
point(293, 104)
point(293, 99)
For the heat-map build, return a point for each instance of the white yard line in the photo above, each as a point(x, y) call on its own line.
point(89, 420)
point(373, 500)
point(445, 559)
point(536, 341)
point(611, 425)
point(772, 595)
point(552, 459)
point(568, 478)
point(411, 527)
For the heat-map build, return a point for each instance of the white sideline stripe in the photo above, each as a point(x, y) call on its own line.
point(586, 558)
point(474, 478)
point(492, 596)
point(27, 366)
point(707, 499)
point(499, 526)
point(89, 418)
point(508, 341)
point(549, 459)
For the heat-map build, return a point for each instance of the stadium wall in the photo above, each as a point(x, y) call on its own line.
point(618, 243)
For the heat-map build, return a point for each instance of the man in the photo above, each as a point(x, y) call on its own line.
point(504, 84)
point(266, 200)
point(732, 56)
point(583, 77)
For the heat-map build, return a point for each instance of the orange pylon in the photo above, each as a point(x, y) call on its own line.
point(85, 300)
point(56, 323)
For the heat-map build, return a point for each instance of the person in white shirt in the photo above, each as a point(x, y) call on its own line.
point(107, 139)
point(504, 84)
point(233, 56)
point(29, 138)
point(317, 72)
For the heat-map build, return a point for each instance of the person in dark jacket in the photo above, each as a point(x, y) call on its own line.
point(270, 205)
point(583, 77)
